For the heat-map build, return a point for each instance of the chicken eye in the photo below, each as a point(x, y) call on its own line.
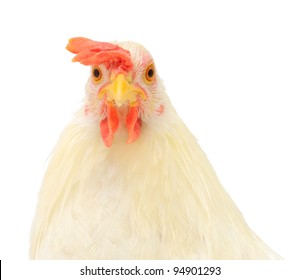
point(96, 74)
point(150, 73)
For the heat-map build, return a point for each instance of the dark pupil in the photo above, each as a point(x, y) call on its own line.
point(96, 73)
point(150, 73)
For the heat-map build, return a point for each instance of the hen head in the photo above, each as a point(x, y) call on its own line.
point(123, 88)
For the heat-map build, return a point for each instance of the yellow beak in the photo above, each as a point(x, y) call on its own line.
point(122, 91)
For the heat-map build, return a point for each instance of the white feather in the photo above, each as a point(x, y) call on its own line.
point(157, 198)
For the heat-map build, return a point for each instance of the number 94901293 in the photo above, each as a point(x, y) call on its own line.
point(188, 270)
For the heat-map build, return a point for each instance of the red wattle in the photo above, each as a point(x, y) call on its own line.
point(109, 125)
point(133, 124)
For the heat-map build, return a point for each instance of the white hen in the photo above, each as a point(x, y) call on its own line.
point(127, 179)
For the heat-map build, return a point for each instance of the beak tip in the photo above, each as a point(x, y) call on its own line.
point(118, 103)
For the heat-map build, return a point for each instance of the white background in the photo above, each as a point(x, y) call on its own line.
point(230, 68)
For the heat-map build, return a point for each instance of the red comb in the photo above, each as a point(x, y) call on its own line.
point(90, 52)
